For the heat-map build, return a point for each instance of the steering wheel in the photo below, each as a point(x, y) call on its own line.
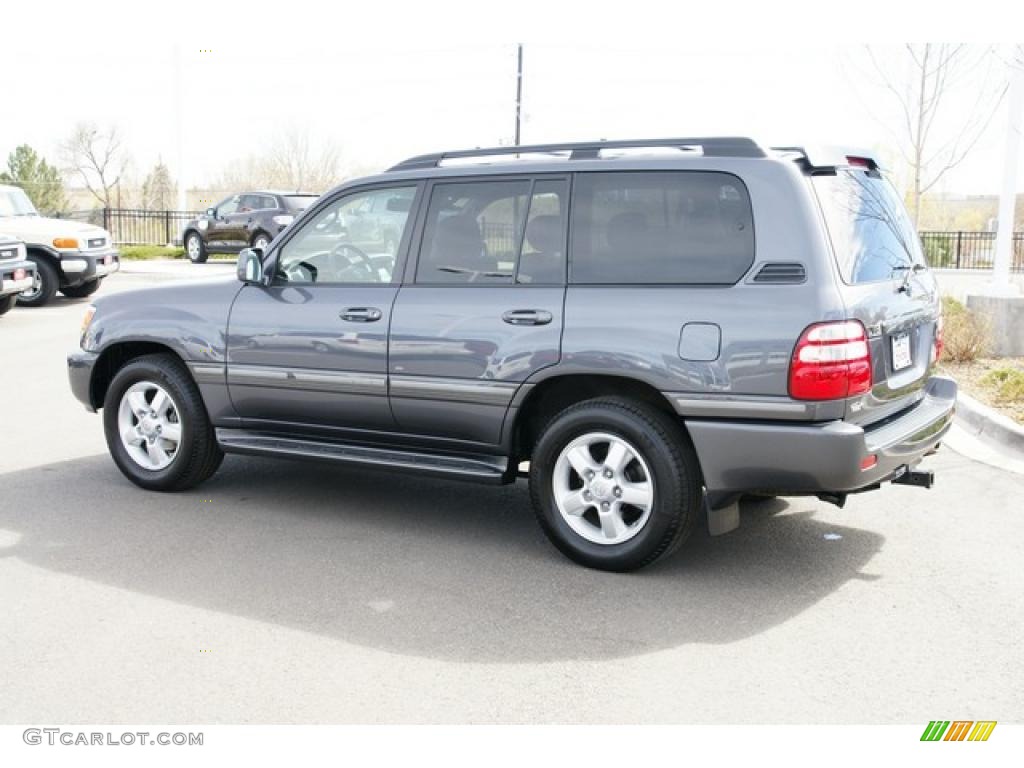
point(298, 272)
point(346, 258)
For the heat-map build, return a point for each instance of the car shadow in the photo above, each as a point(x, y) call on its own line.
point(414, 565)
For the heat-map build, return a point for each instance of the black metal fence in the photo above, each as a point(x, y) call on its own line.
point(136, 226)
point(968, 250)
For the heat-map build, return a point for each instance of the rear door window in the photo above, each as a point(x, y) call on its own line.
point(677, 227)
point(871, 234)
point(504, 232)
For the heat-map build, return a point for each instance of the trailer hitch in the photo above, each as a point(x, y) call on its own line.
point(912, 477)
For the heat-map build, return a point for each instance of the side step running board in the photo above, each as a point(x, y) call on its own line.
point(482, 467)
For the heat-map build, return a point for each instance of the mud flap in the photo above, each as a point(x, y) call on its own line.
point(724, 519)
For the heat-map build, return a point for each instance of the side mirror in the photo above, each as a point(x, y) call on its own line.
point(211, 212)
point(250, 266)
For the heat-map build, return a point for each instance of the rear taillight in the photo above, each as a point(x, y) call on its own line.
point(831, 361)
point(939, 340)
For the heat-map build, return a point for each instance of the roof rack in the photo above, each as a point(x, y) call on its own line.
point(726, 146)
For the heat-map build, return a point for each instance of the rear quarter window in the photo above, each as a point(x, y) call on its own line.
point(677, 227)
point(872, 235)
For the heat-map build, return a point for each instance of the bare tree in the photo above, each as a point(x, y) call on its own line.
point(936, 131)
point(96, 157)
point(291, 162)
point(295, 165)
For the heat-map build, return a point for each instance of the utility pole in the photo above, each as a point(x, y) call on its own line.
point(519, 90)
point(179, 130)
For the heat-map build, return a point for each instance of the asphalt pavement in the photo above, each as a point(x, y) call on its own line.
point(283, 592)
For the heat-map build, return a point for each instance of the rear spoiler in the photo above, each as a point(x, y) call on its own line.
point(832, 156)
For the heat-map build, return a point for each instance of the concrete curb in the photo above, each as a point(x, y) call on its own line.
point(990, 425)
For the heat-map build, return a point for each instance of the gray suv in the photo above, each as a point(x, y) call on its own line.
point(654, 328)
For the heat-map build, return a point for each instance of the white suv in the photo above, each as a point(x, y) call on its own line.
point(70, 256)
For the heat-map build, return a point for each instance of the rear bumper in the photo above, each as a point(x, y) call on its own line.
point(9, 283)
point(788, 458)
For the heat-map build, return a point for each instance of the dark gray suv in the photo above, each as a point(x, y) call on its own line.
point(656, 327)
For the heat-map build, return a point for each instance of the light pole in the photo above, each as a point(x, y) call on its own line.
point(1008, 199)
point(1000, 300)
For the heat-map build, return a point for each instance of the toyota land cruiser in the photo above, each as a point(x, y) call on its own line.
point(656, 327)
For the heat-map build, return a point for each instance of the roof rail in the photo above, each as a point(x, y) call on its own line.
point(726, 146)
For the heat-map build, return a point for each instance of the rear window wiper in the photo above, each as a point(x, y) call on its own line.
point(909, 271)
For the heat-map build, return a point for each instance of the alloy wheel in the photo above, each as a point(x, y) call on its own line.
point(149, 425)
point(37, 286)
point(603, 488)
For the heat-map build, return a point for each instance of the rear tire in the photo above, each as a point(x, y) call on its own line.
point(7, 303)
point(45, 287)
point(81, 291)
point(132, 416)
point(195, 248)
point(644, 494)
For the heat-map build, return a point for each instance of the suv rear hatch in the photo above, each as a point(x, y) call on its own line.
point(885, 284)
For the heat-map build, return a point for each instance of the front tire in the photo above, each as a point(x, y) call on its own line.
point(615, 484)
point(156, 425)
point(45, 286)
point(261, 240)
point(195, 248)
point(81, 291)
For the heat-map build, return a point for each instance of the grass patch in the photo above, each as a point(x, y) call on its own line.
point(997, 382)
point(1007, 383)
point(146, 252)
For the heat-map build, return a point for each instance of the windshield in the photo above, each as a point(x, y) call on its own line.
point(14, 202)
point(299, 202)
point(870, 230)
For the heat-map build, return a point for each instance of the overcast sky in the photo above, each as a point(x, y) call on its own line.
point(381, 99)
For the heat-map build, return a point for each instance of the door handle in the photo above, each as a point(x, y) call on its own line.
point(361, 314)
point(527, 317)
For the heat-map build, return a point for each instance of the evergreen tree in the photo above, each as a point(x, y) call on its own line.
point(41, 181)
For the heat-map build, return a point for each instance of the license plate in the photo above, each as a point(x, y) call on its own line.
point(901, 352)
point(107, 260)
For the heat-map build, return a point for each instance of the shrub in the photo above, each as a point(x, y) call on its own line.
point(1008, 384)
point(966, 333)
